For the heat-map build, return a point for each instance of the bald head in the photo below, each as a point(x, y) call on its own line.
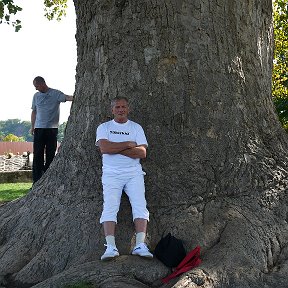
point(40, 84)
point(39, 80)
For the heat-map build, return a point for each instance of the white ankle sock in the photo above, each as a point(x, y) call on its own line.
point(110, 240)
point(140, 238)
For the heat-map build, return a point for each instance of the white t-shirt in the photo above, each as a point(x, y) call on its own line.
point(121, 132)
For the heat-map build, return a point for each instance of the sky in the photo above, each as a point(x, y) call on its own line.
point(41, 48)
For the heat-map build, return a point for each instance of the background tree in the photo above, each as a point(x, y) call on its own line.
point(17, 127)
point(198, 75)
point(22, 129)
point(280, 71)
point(12, 138)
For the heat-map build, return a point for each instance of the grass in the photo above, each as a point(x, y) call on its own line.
point(12, 191)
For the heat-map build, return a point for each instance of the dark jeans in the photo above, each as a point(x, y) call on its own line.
point(45, 141)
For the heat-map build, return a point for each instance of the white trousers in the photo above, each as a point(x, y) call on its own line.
point(112, 191)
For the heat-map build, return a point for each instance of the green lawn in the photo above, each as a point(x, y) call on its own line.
point(12, 191)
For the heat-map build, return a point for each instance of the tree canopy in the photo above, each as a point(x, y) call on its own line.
point(54, 9)
point(16, 127)
point(13, 138)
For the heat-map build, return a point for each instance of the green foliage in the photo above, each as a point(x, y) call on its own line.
point(7, 9)
point(12, 191)
point(280, 68)
point(281, 104)
point(16, 127)
point(54, 9)
point(13, 138)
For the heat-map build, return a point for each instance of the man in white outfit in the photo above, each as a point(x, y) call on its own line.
point(123, 143)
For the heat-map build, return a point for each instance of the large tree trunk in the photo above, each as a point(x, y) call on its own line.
point(198, 75)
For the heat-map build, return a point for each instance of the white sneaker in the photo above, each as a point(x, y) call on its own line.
point(110, 253)
point(142, 250)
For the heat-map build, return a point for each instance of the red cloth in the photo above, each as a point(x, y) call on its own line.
point(191, 260)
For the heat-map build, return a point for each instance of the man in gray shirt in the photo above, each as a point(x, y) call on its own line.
point(45, 120)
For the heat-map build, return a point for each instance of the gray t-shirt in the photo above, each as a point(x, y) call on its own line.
point(47, 107)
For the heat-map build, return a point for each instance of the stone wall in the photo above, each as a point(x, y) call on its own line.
point(23, 176)
point(15, 168)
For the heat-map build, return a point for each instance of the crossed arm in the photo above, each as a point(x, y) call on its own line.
point(127, 148)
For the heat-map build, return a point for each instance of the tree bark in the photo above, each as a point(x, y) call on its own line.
point(198, 76)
